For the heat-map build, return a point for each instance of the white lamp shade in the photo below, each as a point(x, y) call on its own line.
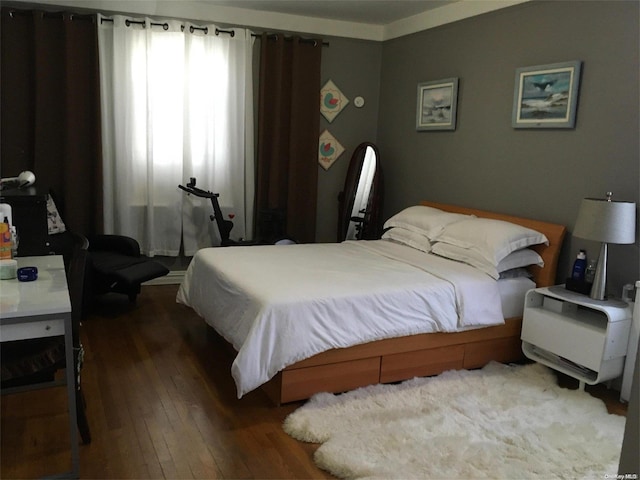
point(607, 221)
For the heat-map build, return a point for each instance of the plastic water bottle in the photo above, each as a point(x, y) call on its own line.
point(579, 266)
point(590, 273)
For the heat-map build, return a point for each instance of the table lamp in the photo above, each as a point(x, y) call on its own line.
point(606, 221)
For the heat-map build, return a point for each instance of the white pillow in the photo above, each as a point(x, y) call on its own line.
point(515, 273)
point(492, 239)
point(465, 255)
point(409, 238)
point(54, 220)
point(517, 259)
point(425, 220)
point(520, 258)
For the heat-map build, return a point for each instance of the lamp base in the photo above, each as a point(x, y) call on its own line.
point(600, 278)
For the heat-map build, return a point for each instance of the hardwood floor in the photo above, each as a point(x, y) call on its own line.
point(161, 404)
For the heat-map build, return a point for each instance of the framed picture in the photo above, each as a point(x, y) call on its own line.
point(332, 101)
point(546, 96)
point(329, 149)
point(437, 104)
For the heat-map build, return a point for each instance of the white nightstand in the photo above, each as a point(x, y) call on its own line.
point(576, 335)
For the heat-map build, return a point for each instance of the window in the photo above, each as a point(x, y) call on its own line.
point(175, 104)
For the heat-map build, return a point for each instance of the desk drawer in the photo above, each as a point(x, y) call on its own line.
point(39, 329)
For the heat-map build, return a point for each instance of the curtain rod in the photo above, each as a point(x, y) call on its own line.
point(303, 40)
point(218, 31)
point(165, 26)
point(47, 14)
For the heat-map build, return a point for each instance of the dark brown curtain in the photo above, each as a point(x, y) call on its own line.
point(288, 124)
point(50, 109)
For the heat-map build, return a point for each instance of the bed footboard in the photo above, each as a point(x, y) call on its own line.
point(396, 359)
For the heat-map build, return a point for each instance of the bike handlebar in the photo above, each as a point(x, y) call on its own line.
point(198, 192)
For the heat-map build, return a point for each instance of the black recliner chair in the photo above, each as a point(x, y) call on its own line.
point(116, 265)
point(114, 262)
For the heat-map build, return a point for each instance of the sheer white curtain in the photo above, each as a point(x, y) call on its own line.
point(177, 102)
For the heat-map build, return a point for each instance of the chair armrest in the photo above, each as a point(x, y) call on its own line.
point(114, 243)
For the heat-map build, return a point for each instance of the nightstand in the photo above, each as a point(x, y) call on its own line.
point(576, 335)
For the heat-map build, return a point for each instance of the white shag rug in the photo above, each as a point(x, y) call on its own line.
point(510, 422)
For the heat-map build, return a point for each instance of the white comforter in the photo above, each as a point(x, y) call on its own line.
point(281, 304)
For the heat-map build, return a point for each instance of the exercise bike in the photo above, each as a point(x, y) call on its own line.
point(225, 226)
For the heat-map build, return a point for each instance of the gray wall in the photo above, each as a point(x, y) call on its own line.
point(354, 66)
point(486, 163)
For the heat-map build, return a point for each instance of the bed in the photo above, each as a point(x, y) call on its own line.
point(333, 317)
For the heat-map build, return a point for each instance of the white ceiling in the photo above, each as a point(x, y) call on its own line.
point(377, 20)
point(376, 12)
point(367, 19)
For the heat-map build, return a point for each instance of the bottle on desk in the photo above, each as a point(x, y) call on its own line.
point(5, 241)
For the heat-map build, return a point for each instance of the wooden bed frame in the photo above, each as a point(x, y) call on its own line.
point(396, 359)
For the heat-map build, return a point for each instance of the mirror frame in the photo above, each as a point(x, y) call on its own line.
point(371, 228)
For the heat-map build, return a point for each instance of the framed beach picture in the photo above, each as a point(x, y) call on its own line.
point(546, 96)
point(437, 104)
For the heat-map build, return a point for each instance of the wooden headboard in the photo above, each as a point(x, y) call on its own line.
point(543, 276)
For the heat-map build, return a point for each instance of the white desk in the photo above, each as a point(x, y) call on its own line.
point(42, 309)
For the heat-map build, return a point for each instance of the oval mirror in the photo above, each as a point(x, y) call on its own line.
point(360, 203)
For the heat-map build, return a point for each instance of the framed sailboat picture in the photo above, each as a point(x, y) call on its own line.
point(546, 96)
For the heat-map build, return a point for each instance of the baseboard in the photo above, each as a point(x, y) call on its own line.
point(174, 277)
